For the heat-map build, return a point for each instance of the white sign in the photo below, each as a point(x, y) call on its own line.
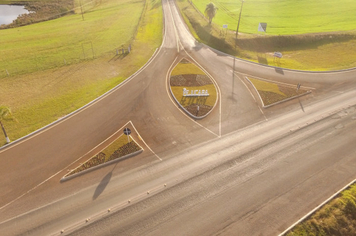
point(262, 27)
point(277, 54)
point(224, 26)
point(195, 93)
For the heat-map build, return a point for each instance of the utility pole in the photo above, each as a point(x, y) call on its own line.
point(81, 9)
point(238, 24)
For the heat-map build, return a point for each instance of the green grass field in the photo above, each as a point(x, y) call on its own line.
point(316, 52)
point(39, 95)
point(69, 39)
point(285, 17)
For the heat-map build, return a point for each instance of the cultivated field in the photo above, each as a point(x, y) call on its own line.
point(285, 17)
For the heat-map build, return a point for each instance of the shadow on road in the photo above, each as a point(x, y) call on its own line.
point(103, 183)
point(301, 105)
point(279, 70)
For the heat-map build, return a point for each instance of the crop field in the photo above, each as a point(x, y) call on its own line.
point(284, 17)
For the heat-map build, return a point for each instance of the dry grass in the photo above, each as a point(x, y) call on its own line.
point(338, 217)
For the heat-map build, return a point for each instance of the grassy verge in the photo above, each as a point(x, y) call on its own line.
point(41, 97)
point(285, 17)
point(317, 52)
point(272, 92)
point(338, 217)
point(120, 148)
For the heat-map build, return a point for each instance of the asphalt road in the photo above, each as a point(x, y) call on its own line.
point(242, 170)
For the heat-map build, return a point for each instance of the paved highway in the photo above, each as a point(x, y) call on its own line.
point(242, 170)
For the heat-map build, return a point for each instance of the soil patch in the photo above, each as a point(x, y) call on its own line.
point(190, 80)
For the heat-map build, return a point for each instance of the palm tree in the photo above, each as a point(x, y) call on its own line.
point(210, 11)
point(5, 114)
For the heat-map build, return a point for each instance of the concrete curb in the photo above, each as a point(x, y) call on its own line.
point(65, 177)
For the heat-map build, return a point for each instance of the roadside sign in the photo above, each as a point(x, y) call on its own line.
point(262, 27)
point(277, 54)
point(298, 86)
point(224, 26)
point(127, 131)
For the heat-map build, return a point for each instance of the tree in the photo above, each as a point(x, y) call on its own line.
point(5, 114)
point(210, 11)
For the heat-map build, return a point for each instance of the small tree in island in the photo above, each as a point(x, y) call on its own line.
point(210, 11)
point(5, 115)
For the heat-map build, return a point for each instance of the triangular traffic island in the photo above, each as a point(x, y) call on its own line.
point(121, 148)
point(273, 93)
point(192, 89)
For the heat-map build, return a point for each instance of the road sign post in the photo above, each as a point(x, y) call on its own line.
point(262, 27)
point(127, 132)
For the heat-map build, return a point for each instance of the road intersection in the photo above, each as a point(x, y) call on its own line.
point(247, 170)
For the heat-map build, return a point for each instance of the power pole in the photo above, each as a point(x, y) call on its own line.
point(81, 9)
point(238, 24)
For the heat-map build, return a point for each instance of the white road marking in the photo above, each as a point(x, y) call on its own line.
point(144, 141)
point(253, 97)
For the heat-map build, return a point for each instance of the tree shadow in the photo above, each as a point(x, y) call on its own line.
point(205, 34)
point(262, 59)
point(292, 42)
point(102, 185)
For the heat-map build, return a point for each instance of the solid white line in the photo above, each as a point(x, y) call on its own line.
point(144, 141)
point(252, 97)
point(277, 82)
point(316, 208)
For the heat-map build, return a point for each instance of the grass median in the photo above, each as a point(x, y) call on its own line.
point(40, 95)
